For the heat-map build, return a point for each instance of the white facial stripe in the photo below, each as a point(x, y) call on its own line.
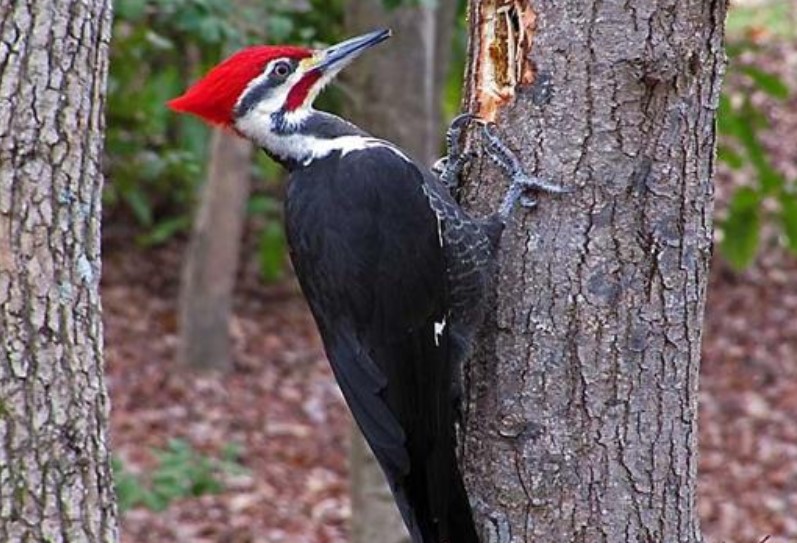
point(269, 69)
point(277, 96)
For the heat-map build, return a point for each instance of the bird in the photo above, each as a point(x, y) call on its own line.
point(394, 271)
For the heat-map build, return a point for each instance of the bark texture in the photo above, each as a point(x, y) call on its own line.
point(582, 392)
point(55, 475)
point(396, 94)
point(211, 262)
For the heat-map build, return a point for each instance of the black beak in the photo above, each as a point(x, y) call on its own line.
point(339, 55)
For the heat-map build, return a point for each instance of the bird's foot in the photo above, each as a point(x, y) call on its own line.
point(450, 166)
point(521, 183)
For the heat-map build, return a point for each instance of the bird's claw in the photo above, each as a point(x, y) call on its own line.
point(450, 166)
point(527, 201)
point(440, 166)
point(521, 183)
point(458, 124)
point(499, 153)
point(538, 184)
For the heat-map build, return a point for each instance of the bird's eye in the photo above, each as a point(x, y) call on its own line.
point(282, 69)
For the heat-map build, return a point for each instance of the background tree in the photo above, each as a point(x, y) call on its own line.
point(582, 395)
point(211, 260)
point(395, 93)
point(55, 475)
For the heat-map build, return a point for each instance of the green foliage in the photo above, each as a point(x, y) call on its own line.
point(773, 17)
point(740, 121)
point(155, 158)
point(271, 252)
point(130, 492)
point(741, 228)
point(767, 82)
point(272, 245)
point(181, 473)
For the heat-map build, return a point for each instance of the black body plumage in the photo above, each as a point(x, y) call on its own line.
point(393, 269)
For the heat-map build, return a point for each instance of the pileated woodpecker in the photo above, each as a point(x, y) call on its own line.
point(393, 269)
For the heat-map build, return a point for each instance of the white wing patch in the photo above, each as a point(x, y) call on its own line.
point(439, 327)
point(437, 216)
point(439, 229)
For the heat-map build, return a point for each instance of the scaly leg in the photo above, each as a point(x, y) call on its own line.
point(520, 182)
point(450, 166)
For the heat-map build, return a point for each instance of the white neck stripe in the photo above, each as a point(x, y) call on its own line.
point(258, 126)
point(321, 148)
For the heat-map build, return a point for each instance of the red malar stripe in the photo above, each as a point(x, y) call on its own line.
point(299, 92)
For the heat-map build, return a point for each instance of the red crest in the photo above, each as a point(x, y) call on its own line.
point(214, 96)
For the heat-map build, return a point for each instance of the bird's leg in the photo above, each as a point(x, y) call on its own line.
point(450, 166)
point(521, 183)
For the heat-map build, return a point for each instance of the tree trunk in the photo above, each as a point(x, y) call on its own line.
point(55, 475)
point(582, 393)
point(396, 95)
point(212, 258)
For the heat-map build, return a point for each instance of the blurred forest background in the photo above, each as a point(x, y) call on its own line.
point(258, 452)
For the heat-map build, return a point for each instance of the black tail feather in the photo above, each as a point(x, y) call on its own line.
point(435, 506)
point(461, 528)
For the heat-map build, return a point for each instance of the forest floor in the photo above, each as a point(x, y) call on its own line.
point(281, 410)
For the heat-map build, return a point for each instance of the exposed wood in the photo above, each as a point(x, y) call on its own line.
point(582, 393)
point(501, 61)
point(55, 474)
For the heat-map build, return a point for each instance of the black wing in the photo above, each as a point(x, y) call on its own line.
point(366, 247)
point(470, 247)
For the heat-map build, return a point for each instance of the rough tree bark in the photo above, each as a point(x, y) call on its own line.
point(582, 394)
point(396, 94)
point(211, 261)
point(55, 475)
